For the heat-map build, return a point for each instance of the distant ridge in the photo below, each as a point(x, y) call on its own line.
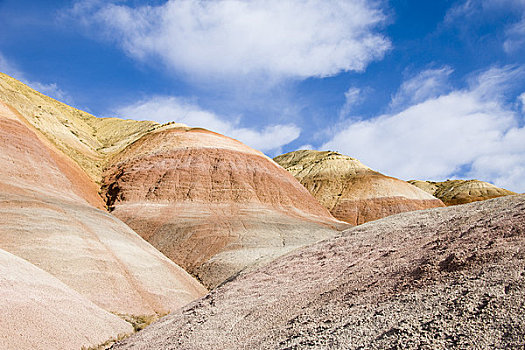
point(453, 192)
point(350, 190)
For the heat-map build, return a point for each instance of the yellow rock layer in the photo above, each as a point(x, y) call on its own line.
point(453, 192)
point(86, 139)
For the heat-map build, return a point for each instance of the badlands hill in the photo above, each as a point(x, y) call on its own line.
point(350, 190)
point(443, 278)
point(47, 219)
point(207, 201)
point(50, 218)
point(210, 203)
point(453, 192)
point(81, 197)
point(87, 140)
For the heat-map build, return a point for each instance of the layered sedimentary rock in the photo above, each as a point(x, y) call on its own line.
point(350, 190)
point(210, 203)
point(48, 216)
point(87, 140)
point(40, 312)
point(444, 278)
point(453, 192)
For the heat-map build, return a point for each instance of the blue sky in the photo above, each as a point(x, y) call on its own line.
point(414, 89)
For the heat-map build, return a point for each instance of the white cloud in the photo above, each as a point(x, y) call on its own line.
point(273, 38)
point(427, 84)
point(521, 101)
point(306, 146)
point(515, 36)
point(469, 11)
point(51, 89)
point(353, 96)
point(475, 8)
point(6, 66)
point(163, 109)
point(439, 136)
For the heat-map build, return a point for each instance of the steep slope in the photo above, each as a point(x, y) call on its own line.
point(444, 278)
point(87, 140)
point(210, 203)
point(453, 192)
point(46, 218)
point(40, 312)
point(350, 190)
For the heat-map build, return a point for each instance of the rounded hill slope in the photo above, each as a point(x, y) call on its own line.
point(210, 203)
point(453, 192)
point(82, 137)
point(47, 217)
point(40, 312)
point(350, 190)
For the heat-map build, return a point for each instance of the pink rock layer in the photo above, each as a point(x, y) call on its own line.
point(212, 204)
point(359, 211)
point(29, 162)
point(351, 191)
point(370, 195)
point(47, 217)
point(40, 312)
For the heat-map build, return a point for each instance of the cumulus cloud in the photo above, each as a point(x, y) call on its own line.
point(273, 38)
point(470, 132)
point(163, 109)
point(50, 89)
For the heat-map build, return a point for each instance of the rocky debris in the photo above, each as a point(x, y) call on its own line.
point(444, 278)
point(47, 217)
point(40, 312)
point(210, 203)
point(453, 192)
point(350, 190)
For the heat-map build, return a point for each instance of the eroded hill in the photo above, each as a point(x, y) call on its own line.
point(350, 190)
point(453, 192)
point(212, 204)
point(86, 139)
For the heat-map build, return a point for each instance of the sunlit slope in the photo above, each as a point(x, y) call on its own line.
point(48, 217)
point(453, 192)
point(83, 137)
point(210, 203)
point(41, 312)
point(350, 190)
